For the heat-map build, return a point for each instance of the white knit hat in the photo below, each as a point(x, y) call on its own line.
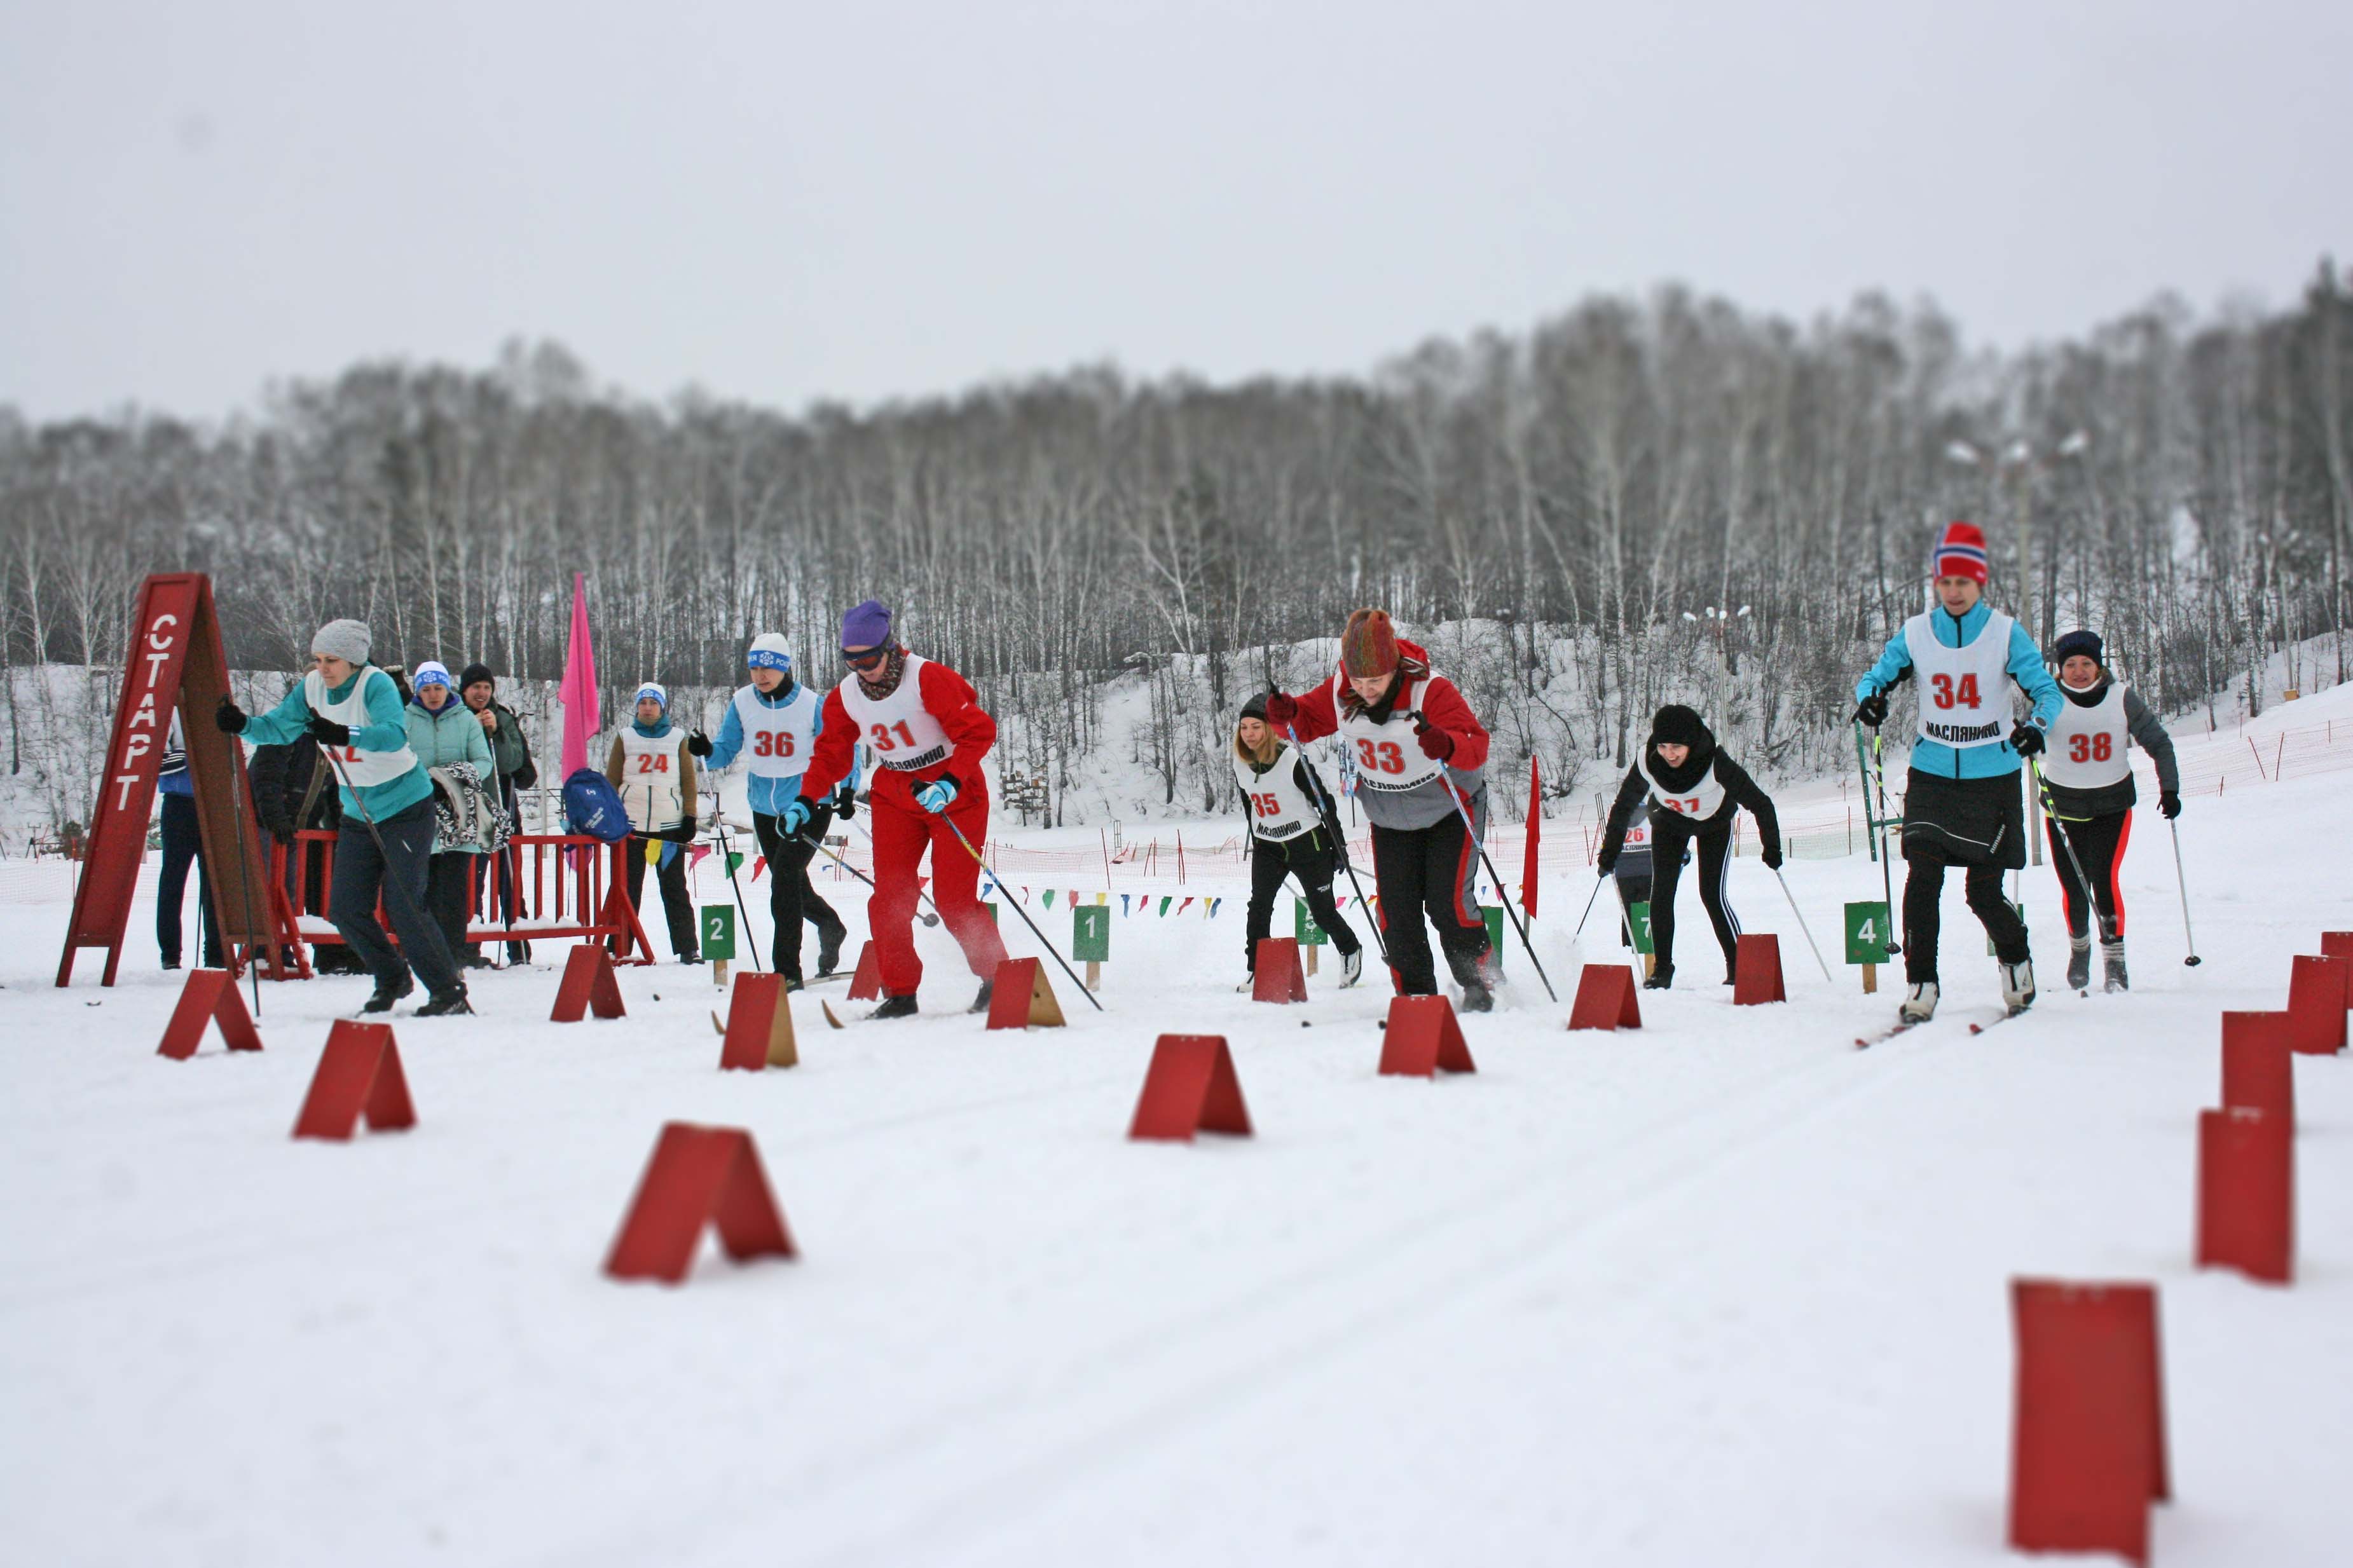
point(346, 640)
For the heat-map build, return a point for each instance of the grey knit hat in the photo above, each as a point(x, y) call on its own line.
point(346, 640)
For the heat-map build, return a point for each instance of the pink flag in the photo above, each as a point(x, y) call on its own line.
point(578, 692)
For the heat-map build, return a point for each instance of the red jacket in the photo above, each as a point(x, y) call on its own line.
point(950, 700)
point(1434, 695)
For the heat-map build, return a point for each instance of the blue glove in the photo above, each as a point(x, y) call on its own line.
point(936, 796)
point(796, 817)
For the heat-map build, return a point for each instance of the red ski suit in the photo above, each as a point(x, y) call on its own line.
point(903, 828)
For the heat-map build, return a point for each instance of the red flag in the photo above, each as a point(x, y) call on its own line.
point(1536, 833)
point(578, 692)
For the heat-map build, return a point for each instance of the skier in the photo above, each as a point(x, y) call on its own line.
point(2091, 798)
point(1693, 792)
point(444, 732)
point(773, 723)
point(182, 846)
point(927, 733)
point(650, 765)
point(354, 710)
point(1961, 803)
point(1419, 751)
point(1295, 831)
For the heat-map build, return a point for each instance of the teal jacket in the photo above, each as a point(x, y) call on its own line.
point(452, 735)
point(385, 730)
point(2025, 667)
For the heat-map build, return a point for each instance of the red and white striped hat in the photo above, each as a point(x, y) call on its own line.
point(1961, 553)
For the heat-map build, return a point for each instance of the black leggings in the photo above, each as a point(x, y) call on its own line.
point(791, 897)
point(1923, 886)
point(1312, 860)
point(1669, 834)
point(2099, 843)
point(677, 905)
point(1429, 873)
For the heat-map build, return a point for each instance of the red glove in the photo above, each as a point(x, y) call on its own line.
point(1436, 743)
point(1282, 710)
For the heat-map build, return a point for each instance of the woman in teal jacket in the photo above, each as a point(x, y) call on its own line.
point(443, 730)
point(352, 710)
point(1961, 803)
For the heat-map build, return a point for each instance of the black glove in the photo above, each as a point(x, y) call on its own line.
point(698, 744)
point(526, 776)
point(2026, 740)
point(844, 804)
point(327, 733)
point(1872, 709)
point(1772, 856)
point(1607, 863)
point(228, 718)
point(2168, 804)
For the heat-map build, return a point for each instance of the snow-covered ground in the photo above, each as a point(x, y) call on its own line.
point(1724, 1290)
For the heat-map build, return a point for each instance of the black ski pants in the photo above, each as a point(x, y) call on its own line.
point(1923, 887)
point(1429, 871)
point(791, 897)
point(677, 906)
point(2099, 842)
point(1668, 835)
point(1310, 857)
point(183, 847)
point(398, 876)
point(448, 894)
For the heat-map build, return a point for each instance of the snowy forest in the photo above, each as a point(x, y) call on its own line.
point(1639, 499)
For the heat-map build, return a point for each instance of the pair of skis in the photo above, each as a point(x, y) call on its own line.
point(1977, 1026)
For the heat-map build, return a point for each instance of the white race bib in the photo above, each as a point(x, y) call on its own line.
point(1963, 691)
point(900, 733)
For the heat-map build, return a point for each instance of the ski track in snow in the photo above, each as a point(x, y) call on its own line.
point(1720, 1290)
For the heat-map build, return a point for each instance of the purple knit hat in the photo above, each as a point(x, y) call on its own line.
point(868, 625)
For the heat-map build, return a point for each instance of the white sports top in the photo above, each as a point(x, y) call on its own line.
point(901, 733)
point(1699, 802)
point(1388, 756)
point(361, 769)
point(1279, 808)
point(650, 780)
point(1963, 691)
point(777, 739)
point(2086, 745)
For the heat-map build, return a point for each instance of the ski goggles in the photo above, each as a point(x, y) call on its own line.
point(865, 658)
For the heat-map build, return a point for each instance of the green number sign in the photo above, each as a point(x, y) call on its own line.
point(1091, 933)
point(1493, 914)
point(1638, 916)
point(1868, 931)
point(718, 932)
point(1304, 925)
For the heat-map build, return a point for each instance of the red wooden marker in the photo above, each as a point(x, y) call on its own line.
point(698, 1177)
point(1190, 1087)
point(1423, 1038)
point(1756, 971)
point(359, 1075)
point(1605, 998)
point(2318, 991)
point(210, 995)
point(589, 982)
point(2246, 1194)
point(2087, 1447)
point(2258, 1066)
point(866, 985)
point(1277, 976)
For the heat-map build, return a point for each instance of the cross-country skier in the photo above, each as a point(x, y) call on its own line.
point(1694, 792)
point(773, 724)
point(1961, 803)
point(2092, 798)
point(1419, 751)
point(354, 710)
point(926, 732)
point(651, 767)
point(1293, 832)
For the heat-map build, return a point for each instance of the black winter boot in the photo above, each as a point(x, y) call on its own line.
point(895, 1007)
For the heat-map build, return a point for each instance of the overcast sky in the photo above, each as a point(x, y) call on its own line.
point(785, 202)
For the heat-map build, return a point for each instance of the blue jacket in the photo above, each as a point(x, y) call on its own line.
point(768, 795)
point(2025, 667)
point(385, 730)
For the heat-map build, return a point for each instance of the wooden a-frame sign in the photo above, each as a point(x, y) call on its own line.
point(176, 664)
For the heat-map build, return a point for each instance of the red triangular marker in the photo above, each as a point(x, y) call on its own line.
point(359, 1075)
point(1423, 1036)
point(210, 995)
point(698, 1177)
point(1605, 998)
point(588, 982)
point(1277, 976)
point(1191, 1086)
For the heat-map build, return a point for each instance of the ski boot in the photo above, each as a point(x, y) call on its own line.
point(980, 998)
point(1919, 1003)
point(386, 996)
point(2018, 985)
point(895, 1007)
point(829, 951)
point(1662, 978)
point(1477, 980)
point(450, 1004)
point(2112, 966)
point(2079, 963)
point(1352, 968)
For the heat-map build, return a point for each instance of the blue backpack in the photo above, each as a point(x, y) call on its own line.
point(593, 807)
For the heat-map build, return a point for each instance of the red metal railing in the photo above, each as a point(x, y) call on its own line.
point(569, 892)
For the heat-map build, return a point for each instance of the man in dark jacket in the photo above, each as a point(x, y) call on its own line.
point(510, 754)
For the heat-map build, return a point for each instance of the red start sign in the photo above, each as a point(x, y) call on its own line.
point(177, 665)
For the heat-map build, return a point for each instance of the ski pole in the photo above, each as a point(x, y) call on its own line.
point(929, 919)
point(727, 858)
point(1468, 826)
point(1801, 921)
point(244, 878)
point(2181, 882)
point(1325, 803)
point(1016, 905)
point(1878, 820)
point(1590, 899)
point(2043, 792)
